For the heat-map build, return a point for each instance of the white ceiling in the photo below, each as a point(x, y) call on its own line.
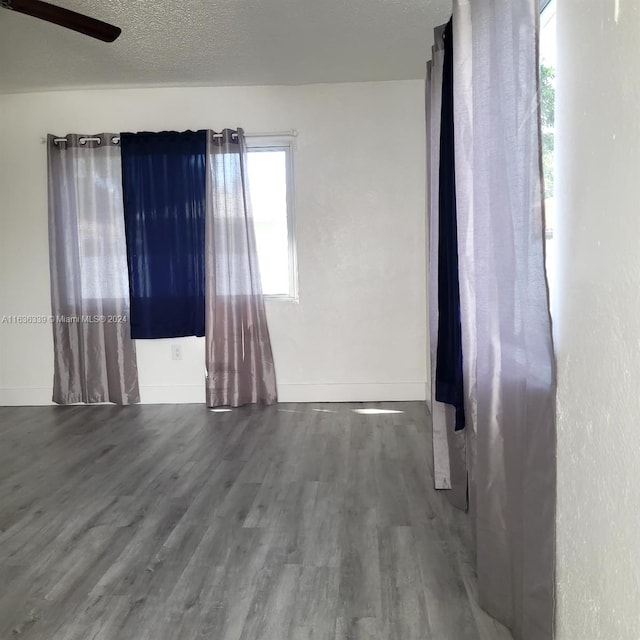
point(222, 42)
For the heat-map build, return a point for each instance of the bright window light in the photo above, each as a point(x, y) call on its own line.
point(220, 410)
point(271, 190)
point(547, 111)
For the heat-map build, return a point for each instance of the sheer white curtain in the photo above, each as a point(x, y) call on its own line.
point(508, 359)
point(508, 352)
point(94, 356)
point(239, 361)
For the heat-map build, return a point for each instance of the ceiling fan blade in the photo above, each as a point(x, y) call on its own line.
point(65, 18)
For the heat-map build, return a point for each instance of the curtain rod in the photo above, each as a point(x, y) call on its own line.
point(116, 139)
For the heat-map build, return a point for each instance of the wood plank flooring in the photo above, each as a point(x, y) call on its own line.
point(301, 522)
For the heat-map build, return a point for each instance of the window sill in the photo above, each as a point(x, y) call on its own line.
point(284, 297)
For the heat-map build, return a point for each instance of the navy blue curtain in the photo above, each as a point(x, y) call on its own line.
point(449, 384)
point(164, 191)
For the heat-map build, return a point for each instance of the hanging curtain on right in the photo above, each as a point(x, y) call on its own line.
point(239, 360)
point(508, 360)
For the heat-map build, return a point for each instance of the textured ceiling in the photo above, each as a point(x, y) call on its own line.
point(222, 42)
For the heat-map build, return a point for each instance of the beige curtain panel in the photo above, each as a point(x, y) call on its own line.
point(94, 356)
point(239, 361)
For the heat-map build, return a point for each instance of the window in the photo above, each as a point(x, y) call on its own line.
point(547, 110)
point(270, 176)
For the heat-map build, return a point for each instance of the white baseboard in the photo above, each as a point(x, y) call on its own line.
point(293, 392)
point(352, 392)
point(173, 394)
point(311, 392)
point(40, 396)
point(25, 396)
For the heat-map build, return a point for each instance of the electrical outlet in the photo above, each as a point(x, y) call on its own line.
point(176, 352)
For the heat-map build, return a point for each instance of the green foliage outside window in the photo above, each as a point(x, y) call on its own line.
point(547, 112)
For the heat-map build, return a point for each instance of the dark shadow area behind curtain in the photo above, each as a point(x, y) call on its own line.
point(449, 384)
point(164, 192)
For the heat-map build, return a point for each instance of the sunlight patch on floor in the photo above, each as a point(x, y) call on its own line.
point(375, 412)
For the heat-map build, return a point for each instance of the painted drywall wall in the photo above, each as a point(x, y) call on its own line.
point(597, 316)
point(358, 331)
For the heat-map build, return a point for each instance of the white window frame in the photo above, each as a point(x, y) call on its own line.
point(285, 143)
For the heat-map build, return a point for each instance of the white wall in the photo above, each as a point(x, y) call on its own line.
point(597, 308)
point(359, 330)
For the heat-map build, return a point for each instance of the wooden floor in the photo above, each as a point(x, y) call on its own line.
point(173, 522)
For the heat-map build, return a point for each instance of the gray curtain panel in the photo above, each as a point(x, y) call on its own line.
point(509, 368)
point(239, 360)
point(94, 356)
point(449, 445)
